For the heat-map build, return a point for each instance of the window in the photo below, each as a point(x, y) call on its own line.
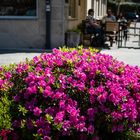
point(18, 8)
point(66, 1)
point(72, 8)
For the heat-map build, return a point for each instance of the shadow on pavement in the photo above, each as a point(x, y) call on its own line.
point(6, 51)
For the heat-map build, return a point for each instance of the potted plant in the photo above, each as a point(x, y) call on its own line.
point(73, 37)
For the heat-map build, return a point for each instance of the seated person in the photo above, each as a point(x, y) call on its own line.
point(109, 17)
point(91, 24)
point(92, 27)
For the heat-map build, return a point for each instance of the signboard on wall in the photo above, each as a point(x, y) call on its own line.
point(48, 6)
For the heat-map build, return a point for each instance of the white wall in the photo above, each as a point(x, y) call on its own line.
point(89, 5)
point(99, 7)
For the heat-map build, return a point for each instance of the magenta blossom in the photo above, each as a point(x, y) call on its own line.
point(37, 111)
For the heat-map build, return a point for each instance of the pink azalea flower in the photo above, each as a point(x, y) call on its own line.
point(59, 117)
point(90, 129)
point(37, 111)
point(32, 90)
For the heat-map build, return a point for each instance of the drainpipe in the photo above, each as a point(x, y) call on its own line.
point(48, 24)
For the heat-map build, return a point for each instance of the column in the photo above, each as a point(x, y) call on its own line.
point(89, 5)
point(57, 23)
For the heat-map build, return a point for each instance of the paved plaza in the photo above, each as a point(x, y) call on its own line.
point(130, 52)
point(128, 55)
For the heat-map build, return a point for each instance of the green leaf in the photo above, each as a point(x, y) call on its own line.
point(49, 118)
point(41, 89)
point(57, 126)
point(23, 122)
point(23, 110)
point(37, 136)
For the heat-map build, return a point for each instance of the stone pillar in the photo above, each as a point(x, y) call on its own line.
point(104, 7)
point(57, 23)
point(66, 14)
point(100, 8)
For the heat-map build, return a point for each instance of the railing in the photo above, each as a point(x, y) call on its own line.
point(131, 37)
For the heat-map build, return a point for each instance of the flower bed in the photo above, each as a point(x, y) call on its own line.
point(70, 94)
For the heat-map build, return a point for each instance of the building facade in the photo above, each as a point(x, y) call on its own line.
point(78, 10)
point(23, 22)
point(100, 7)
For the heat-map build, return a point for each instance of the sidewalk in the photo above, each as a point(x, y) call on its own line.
point(6, 59)
point(130, 54)
point(15, 56)
point(127, 55)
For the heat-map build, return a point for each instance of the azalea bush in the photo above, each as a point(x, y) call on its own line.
point(70, 94)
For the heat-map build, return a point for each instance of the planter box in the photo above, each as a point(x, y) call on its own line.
point(72, 39)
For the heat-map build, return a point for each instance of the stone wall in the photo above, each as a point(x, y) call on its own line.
point(58, 23)
point(24, 33)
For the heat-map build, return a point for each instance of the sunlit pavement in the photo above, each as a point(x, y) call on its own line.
point(6, 59)
point(127, 55)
